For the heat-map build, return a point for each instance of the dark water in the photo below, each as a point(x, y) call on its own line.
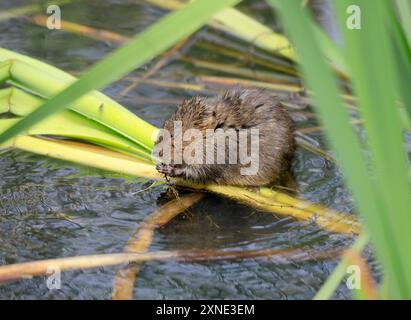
point(51, 208)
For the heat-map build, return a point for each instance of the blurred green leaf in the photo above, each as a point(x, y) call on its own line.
point(382, 197)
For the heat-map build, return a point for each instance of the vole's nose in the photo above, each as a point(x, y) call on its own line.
point(159, 166)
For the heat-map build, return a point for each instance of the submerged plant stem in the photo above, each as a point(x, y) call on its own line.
point(38, 268)
point(141, 239)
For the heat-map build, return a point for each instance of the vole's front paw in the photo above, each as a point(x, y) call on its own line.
point(166, 169)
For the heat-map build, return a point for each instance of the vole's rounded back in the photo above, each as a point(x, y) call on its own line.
point(239, 110)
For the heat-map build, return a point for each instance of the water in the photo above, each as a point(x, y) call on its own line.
point(51, 208)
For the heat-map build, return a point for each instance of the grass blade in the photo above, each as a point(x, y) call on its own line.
point(404, 10)
point(375, 84)
point(382, 198)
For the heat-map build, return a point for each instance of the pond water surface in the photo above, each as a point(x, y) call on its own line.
point(51, 208)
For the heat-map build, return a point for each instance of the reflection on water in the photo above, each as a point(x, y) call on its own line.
point(50, 208)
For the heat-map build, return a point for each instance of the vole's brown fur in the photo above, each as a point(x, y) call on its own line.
point(237, 109)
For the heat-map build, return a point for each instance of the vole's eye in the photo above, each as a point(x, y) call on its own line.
point(171, 135)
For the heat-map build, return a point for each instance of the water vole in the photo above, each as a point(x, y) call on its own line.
point(239, 110)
